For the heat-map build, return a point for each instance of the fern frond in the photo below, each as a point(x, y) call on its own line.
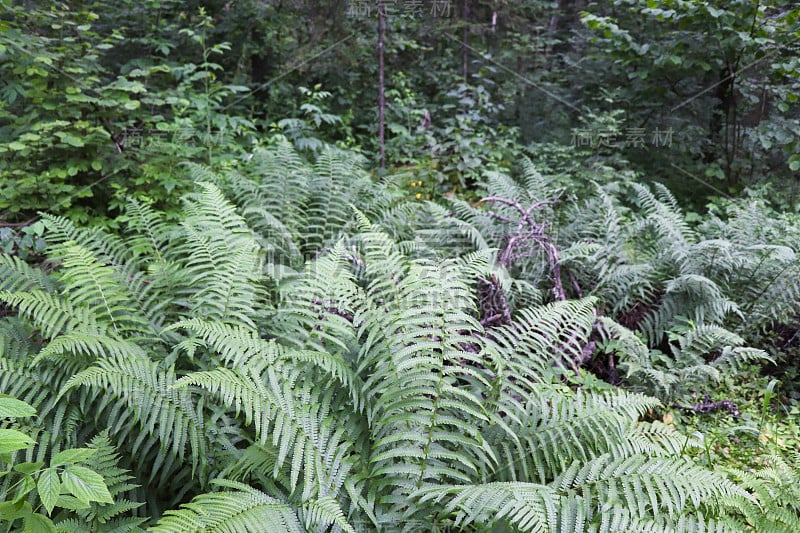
point(553, 428)
point(50, 314)
point(647, 486)
point(323, 513)
point(222, 260)
point(38, 386)
point(618, 518)
point(241, 509)
point(279, 241)
point(693, 296)
point(105, 247)
point(146, 390)
point(89, 345)
point(318, 308)
point(665, 217)
point(151, 231)
point(777, 488)
point(542, 337)
point(92, 284)
point(279, 407)
point(276, 180)
point(537, 185)
point(421, 351)
point(527, 506)
point(241, 347)
point(337, 181)
point(18, 276)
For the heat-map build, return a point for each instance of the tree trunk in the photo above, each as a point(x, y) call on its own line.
point(381, 88)
point(722, 123)
point(465, 40)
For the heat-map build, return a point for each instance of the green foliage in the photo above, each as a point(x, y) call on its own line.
point(52, 77)
point(24, 243)
point(686, 300)
point(775, 486)
point(255, 333)
point(100, 102)
point(245, 509)
point(75, 493)
point(719, 73)
point(88, 131)
point(285, 359)
point(304, 131)
point(699, 356)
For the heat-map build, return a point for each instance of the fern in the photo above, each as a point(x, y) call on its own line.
point(101, 518)
point(275, 406)
point(107, 248)
point(529, 507)
point(542, 337)
point(222, 260)
point(50, 314)
point(698, 355)
point(242, 347)
point(318, 307)
point(647, 486)
point(776, 488)
point(241, 509)
point(17, 276)
point(149, 398)
point(319, 352)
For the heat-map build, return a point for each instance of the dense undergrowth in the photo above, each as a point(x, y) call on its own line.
point(307, 349)
point(554, 287)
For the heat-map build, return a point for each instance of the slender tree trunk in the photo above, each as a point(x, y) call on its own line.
point(721, 122)
point(381, 87)
point(465, 40)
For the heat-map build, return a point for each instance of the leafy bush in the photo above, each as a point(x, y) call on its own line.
point(80, 482)
point(79, 132)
